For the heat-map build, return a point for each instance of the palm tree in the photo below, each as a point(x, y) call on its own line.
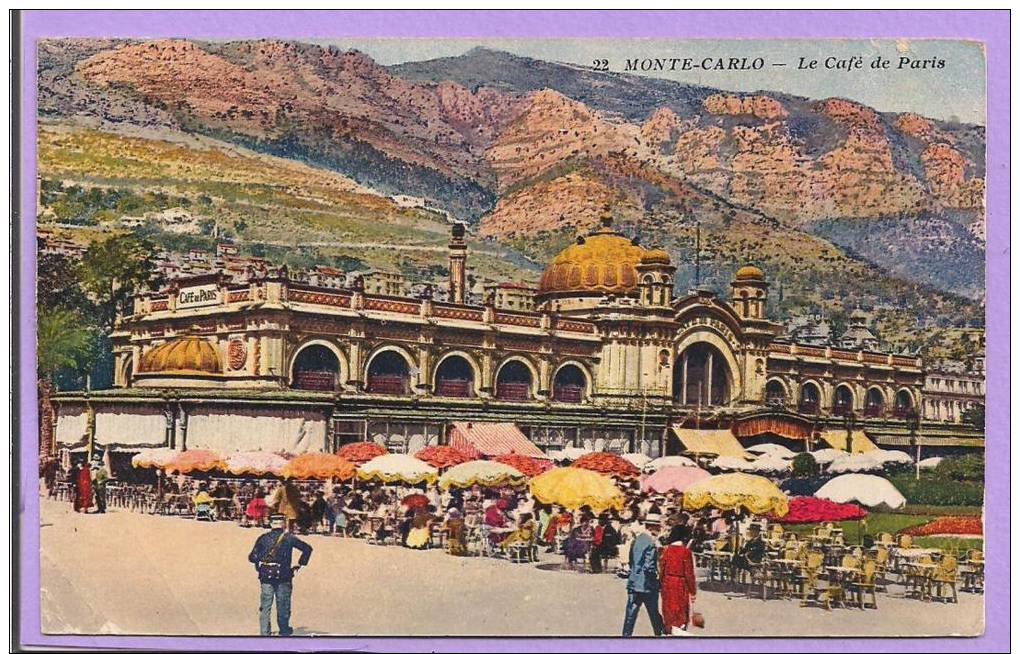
point(62, 342)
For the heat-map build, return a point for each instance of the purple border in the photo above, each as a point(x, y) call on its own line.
point(991, 27)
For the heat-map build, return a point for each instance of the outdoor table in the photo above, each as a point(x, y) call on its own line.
point(717, 561)
point(925, 570)
point(838, 578)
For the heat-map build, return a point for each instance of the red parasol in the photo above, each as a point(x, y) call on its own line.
point(531, 467)
point(415, 501)
point(361, 452)
point(443, 456)
point(608, 463)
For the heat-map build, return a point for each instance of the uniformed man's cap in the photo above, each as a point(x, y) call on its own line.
point(277, 518)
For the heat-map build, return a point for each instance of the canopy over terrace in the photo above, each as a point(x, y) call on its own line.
point(492, 439)
point(712, 442)
point(860, 444)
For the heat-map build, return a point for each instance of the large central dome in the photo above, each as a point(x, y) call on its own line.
point(602, 263)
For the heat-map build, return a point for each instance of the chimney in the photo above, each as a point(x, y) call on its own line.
point(458, 257)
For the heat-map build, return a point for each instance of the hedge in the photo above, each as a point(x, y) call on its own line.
point(939, 492)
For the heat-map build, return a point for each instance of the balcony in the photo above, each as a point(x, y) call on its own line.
point(513, 391)
point(841, 409)
point(453, 387)
point(808, 407)
point(568, 393)
point(387, 384)
point(873, 411)
point(314, 380)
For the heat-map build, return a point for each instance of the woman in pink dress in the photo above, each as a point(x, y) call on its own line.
point(676, 580)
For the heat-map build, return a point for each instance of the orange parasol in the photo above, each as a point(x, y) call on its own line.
point(443, 456)
point(195, 460)
point(608, 463)
point(318, 465)
point(529, 466)
point(361, 452)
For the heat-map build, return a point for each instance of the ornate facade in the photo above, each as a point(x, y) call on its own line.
point(607, 358)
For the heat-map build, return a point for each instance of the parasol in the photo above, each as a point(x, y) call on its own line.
point(415, 501)
point(531, 467)
point(736, 490)
point(573, 488)
point(772, 449)
point(569, 453)
point(770, 464)
point(195, 461)
point(443, 456)
point(254, 463)
point(153, 458)
point(607, 463)
point(930, 463)
point(672, 478)
point(318, 465)
point(869, 490)
point(361, 452)
point(855, 463)
point(482, 473)
point(403, 468)
point(826, 455)
point(637, 458)
point(886, 457)
point(731, 463)
point(666, 461)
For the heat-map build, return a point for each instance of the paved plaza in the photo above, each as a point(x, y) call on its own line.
point(127, 573)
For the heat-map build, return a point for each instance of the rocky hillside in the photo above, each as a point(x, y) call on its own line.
point(531, 151)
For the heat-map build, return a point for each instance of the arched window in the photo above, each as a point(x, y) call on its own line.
point(873, 403)
point(810, 398)
point(700, 376)
point(316, 368)
point(775, 393)
point(842, 401)
point(513, 382)
point(454, 377)
point(569, 384)
point(904, 402)
point(388, 374)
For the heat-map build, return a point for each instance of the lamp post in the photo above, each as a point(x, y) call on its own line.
point(913, 424)
point(849, 423)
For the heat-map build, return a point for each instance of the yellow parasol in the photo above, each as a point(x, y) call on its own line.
point(573, 488)
point(736, 490)
point(482, 473)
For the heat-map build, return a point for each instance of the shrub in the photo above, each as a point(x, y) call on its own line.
point(968, 467)
point(939, 491)
point(804, 465)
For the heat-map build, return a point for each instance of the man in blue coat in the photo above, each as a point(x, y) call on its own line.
point(643, 580)
point(272, 558)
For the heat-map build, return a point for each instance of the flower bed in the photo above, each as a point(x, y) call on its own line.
point(813, 509)
point(956, 525)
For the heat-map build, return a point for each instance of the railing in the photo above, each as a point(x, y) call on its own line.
point(807, 407)
point(514, 391)
point(242, 295)
point(159, 305)
point(521, 320)
point(453, 387)
point(315, 297)
point(397, 306)
point(873, 411)
point(841, 409)
point(568, 393)
point(457, 313)
point(900, 411)
point(314, 380)
point(387, 384)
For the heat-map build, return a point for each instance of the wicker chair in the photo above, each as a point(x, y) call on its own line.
point(905, 541)
point(918, 580)
point(885, 539)
point(807, 578)
point(945, 576)
point(972, 572)
point(865, 584)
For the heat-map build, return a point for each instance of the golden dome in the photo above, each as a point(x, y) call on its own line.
point(187, 355)
point(656, 256)
point(750, 273)
point(603, 262)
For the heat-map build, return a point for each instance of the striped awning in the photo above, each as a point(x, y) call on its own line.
point(836, 438)
point(719, 442)
point(492, 439)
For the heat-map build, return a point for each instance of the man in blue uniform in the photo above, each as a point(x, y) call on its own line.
point(272, 558)
point(643, 580)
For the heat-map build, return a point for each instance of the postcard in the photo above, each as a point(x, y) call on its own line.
point(367, 335)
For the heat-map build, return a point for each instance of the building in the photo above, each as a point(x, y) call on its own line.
point(950, 389)
point(605, 358)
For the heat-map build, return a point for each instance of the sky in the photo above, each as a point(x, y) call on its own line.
point(955, 91)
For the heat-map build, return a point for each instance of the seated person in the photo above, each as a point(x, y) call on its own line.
point(257, 511)
point(524, 534)
point(456, 533)
point(751, 553)
point(203, 502)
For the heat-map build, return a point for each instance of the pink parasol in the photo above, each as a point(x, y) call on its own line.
point(672, 478)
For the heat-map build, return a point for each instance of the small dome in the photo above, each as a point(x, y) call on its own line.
point(603, 262)
point(187, 355)
point(656, 256)
point(750, 273)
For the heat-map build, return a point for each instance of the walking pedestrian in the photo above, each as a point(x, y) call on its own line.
point(676, 576)
point(99, 479)
point(271, 556)
point(83, 488)
point(643, 580)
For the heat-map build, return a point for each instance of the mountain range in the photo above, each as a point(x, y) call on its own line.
point(838, 202)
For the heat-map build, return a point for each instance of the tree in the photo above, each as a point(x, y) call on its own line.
point(63, 343)
point(113, 270)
